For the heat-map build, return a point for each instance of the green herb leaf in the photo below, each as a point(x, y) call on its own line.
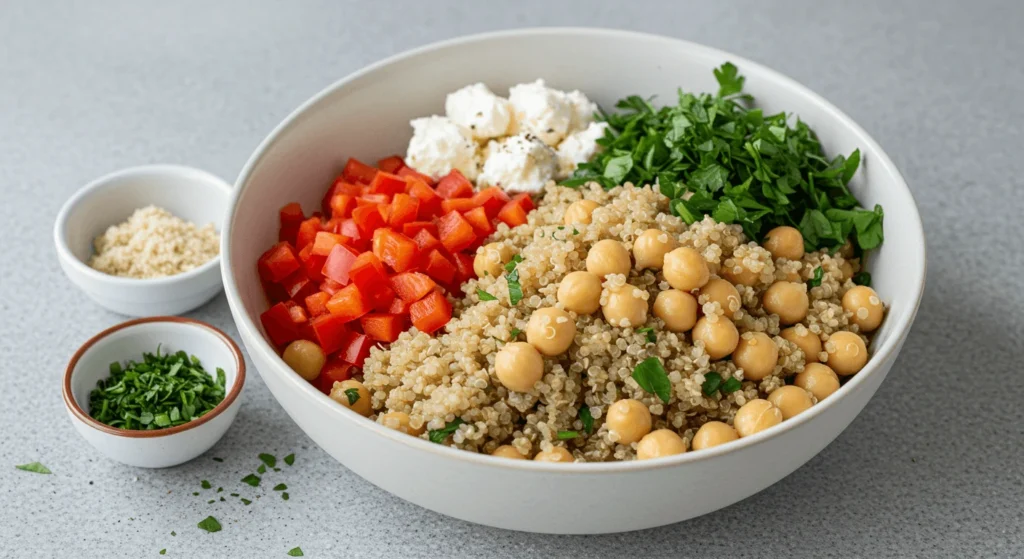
point(173, 533)
point(251, 479)
point(731, 385)
point(816, 280)
point(567, 435)
point(862, 278)
point(210, 524)
point(650, 375)
point(439, 435)
point(205, 484)
point(163, 552)
point(280, 487)
point(515, 290)
point(587, 419)
point(514, 333)
point(34, 467)
point(511, 264)
point(712, 382)
point(269, 459)
point(352, 394)
point(295, 552)
point(729, 80)
point(290, 459)
point(245, 501)
point(262, 469)
point(651, 337)
point(284, 495)
point(485, 296)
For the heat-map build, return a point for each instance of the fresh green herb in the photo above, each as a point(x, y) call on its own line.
point(574, 231)
point(205, 484)
point(290, 459)
point(262, 469)
point(511, 264)
point(567, 435)
point(295, 552)
point(173, 533)
point(161, 391)
point(439, 435)
point(251, 479)
point(211, 501)
point(731, 385)
point(485, 296)
point(280, 487)
point(352, 394)
point(515, 290)
point(34, 467)
point(246, 502)
point(233, 494)
point(218, 459)
point(651, 337)
point(210, 524)
point(650, 375)
point(514, 333)
point(586, 418)
point(712, 382)
point(863, 278)
point(163, 552)
point(816, 280)
point(277, 469)
point(269, 459)
point(195, 493)
point(284, 495)
point(713, 155)
point(219, 489)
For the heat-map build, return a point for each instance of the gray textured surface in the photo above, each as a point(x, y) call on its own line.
point(932, 468)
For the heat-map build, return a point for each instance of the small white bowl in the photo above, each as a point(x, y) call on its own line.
point(188, 193)
point(158, 448)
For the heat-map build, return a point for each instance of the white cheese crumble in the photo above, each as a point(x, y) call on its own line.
point(481, 111)
point(439, 145)
point(583, 110)
point(579, 147)
point(520, 163)
point(541, 111)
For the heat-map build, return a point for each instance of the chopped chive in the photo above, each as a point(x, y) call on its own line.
point(567, 435)
point(233, 494)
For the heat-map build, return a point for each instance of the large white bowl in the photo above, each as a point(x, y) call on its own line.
point(366, 115)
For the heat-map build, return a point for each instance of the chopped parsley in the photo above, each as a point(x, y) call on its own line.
point(210, 524)
point(251, 479)
point(815, 281)
point(439, 435)
point(731, 385)
point(650, 375)
point(205, 484)
point(485, 296)
point(163, 552)
point(295, 552)
point(34, 467)
point(280, 487)
point(515, 290)
point(863, 278)
point(290, 459)
point(712, 382)
point(567, 435)
point(284, 495)
point(352, 394)
point(262, 469)
point(246, 501)
point(586, 418)
point(651, 337)
point(514, 333)
point(269, 459)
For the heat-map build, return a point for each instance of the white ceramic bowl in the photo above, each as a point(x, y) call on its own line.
point(158, 448)
point(366, 115)
point(190, 194)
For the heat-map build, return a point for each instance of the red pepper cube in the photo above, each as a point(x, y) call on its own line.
point(439, 267)
point(367, 219)
point(391, 164)
point(394, 249)
point(408, 172)
point(411, 229)
point(398, 306)
point(512, 214)
point(278, 263)
point(325, 241)
point(430, 201)
point(330, 286)
point(356, 348)
point(477, 217)
point(316, 303)
point(431, 313)
point(339, 263)
point(349, 303)
point(525, 201)
point(298, 285)
point(381, 297)
point(356, 171)
point(456, 233)
point(335, 370)
point(404, 209)
point(454, 185)
point(291, 214)
point(307, 232)
point(277, 323)
point(426, 241)
point(463, 267)
point(341, 205)
point(387, 183)
point(383, 327)
point(368, 272)
point(329, 332)
point(412, 286)
point(461, 205)
point(313, 264)
point(491, 199)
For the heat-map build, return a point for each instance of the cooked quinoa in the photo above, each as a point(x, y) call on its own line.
point(439, 379)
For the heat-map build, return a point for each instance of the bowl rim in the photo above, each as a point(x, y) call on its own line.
point(885, 353)
point(98, 184)
point(229, 398)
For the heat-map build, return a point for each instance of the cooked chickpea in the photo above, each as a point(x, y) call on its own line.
point(626, 306)
point(580, 292)
point(847, 353)
point(788, 300)
point(556, 454)
point(353, 395)
point(508, 451)
point(305, 358)
point(740, 275)
point(807, 341)
point(686, 269)
point(756, 354)
point(650, 248)
point(550, 330)
point(629, 419)
point(490, 259)
point(791, 400)
point(820, 380)
point(724, 293)
point(399, 421)
point(720, 337)
point(677, 308)
point(866, 307)
point(713, 433)
point(580, 212)
point(756, 416)
point(518, 366)
point(785, 242)
point(656, 444)
point(608, 257)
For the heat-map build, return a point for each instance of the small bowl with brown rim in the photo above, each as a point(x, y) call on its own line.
point(158, 448)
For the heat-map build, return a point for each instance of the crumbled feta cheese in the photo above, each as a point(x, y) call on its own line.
point(477, 108)
point(579, 147)
point(583, 110)
point(439, 145)
point(541, 111)
point(520, 163)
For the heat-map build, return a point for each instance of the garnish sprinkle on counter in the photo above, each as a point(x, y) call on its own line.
point(209, 524)
point(34, 467)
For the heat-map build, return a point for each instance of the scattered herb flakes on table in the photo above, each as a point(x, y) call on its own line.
point(34, 467)
point(161, 391)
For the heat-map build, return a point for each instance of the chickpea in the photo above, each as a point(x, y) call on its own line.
point(608, 257)
point(580, 292)
point(820, 380)
point(629, 419)
point(677, 308)
point(519, 366)
point(791, 400)
point(556, 454)
point(807, 341)
point(490, 259)
point(713, 433)
point(650, 248)
point(785, 242)
point(353, 395)
point(720, 337)
point(580, 212)
point(756, 354)
point(722, 292)
point(788, 300)
point(686, 269)
point(508, 451)
point(756, 416)
point(740, 275)
point(550, 330)
point(305, 358)
point(847, 353)
point(866, 307)
point(656, 444)
point(399, 421)
point(626, 306)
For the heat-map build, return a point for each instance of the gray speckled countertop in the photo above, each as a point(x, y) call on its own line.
point(931, 468)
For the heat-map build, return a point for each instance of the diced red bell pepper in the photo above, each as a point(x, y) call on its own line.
point(460, 205)
point(525, 201)
point(456, 233)
point(277, 323)
point(367, 219)
point(356, 348)
point(387, 183)
point(512, 214)
point(373, 199)
point(329, 331)
point(339, 263)
point(312, 263)
point(316, 303)
point(477, 217)
point(431, 312)
point(411, 229)
point(298, 285)
point(426, 241)
point(330, 286)
point(391, 164)
point(291, 216)
point(368, 273)
point(349, 303)
point(454, 185)
point(307, 231)
point(430, 201)
point(404, 208)
point(398, 306)
point(412, 286)
point(341, 205)
point(464, 267)
point(491, 199)
point(274, 292)
point(406, 172)
point(278, 263)
point(335, 370)
point(325, 241)
point(394, 249)
point(383, 327)
point(381, 297)
point(297, 312)
point(357, 171)
point(439, 267)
